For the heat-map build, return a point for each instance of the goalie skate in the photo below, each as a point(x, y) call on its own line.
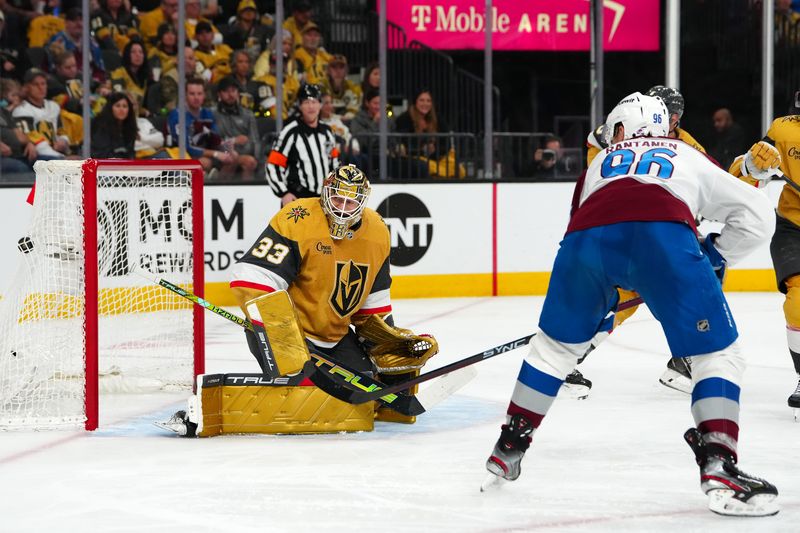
point(730, 491)
point(678, 375)
point(179, 423)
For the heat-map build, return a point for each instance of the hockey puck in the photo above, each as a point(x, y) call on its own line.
point(25, 245)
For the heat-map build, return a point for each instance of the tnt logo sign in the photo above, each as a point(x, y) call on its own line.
point(421, 17)
point(410, 227)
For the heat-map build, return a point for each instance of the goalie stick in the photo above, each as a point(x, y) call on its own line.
point(338, 380)
point(356, 397)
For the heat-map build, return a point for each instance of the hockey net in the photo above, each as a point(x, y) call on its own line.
point(77, 319)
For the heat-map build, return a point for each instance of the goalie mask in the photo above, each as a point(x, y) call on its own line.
point(344, 194)
point(640, 115)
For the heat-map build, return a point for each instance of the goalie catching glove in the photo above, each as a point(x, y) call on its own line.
point(396, 350)
point(759, 165)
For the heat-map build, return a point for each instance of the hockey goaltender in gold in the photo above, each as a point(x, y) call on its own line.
point(318, 274)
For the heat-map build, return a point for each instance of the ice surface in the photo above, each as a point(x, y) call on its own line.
point(614, 462)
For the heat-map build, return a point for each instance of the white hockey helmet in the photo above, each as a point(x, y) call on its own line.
point(344, 195)
point(640, 115)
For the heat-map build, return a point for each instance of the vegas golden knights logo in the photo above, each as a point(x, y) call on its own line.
point(348, 287)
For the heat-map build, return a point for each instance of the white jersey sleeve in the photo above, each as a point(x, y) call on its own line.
point(694, 180)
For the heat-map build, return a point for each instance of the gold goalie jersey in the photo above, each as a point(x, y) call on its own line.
point(332, 282)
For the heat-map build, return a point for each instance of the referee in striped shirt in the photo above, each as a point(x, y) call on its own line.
point(304, 153)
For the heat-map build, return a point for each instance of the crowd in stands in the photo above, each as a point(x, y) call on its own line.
point(230, 60)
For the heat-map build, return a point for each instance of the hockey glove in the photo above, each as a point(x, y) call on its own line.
point(762, 163)
point(718, 263)
point(396, 350)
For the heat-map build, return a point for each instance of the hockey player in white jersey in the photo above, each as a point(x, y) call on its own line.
point(633, 226)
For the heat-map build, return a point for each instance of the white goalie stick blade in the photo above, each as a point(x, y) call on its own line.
point(722, 502)
point(446, 386)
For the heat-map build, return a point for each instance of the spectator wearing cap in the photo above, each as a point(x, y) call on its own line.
point(40, 119)
point(238, 128)
point(163, 56)
point(265, 64)
point(346, 95)
point(113, 25)
point(304, 152)
point(194, 18)
point(311, 57)
point(301, 17)
point(247, 32)
point(71, 40)
point(150, 21)
point(11, 46)
point(203, 141)
point(215, 57)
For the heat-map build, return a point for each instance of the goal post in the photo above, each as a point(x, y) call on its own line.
point(76, 320)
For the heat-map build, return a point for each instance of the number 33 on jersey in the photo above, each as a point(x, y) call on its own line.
point(329, 280)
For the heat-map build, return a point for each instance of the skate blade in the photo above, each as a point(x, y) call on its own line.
point(723, 503)
point(574, 392)
point(796, 411)
point(492, 482)
point(675, 380)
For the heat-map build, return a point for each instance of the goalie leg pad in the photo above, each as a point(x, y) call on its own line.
point(286, 338)
point(252, 403)
point(385, 414)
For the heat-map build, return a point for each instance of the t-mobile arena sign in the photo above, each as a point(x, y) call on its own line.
point(527, 25)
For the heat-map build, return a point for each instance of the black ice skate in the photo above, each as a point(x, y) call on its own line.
point(504, 463)
point(678, 375)
point(794, 401)
point(730, 491)
point(576, 386)
point(180, 424)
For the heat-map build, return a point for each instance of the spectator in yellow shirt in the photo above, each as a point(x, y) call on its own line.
point(151, 20)
point(311, 56)
point(301, 17)
point(215, 57)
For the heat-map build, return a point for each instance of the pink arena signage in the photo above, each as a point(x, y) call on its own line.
point(527, 24)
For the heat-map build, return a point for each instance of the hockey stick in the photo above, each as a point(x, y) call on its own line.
point(357, 397)
point(268, 365)
point(340, 378)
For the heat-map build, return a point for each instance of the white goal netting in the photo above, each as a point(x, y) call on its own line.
point(145, 333)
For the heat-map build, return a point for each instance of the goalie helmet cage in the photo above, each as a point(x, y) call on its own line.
point(76, 302)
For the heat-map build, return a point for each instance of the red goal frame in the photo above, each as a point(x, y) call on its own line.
point(90, 168)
